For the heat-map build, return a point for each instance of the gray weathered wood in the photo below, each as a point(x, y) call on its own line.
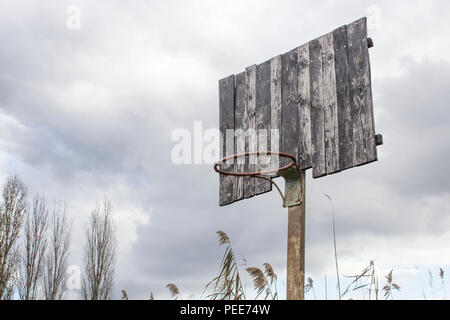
point(317, 112)
point(364, 148)
point(329, 104)
point(262, 120)
point(304, 92)
point(319, 98)
point(295, 271)
point(250, 128)
point(345, 126)
point(290, 101)
point(239, 109)
point(226, 121)
point(275, 112)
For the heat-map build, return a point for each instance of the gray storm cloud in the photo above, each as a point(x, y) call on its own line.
point(89, 113)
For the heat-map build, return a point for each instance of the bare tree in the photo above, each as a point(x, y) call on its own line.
point(56, 263)
point(35, 246)
point(12, 210)
point(100, 255)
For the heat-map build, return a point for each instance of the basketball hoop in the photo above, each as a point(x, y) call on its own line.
point(285, 93)
point(289, 172)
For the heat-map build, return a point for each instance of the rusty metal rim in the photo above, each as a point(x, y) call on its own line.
point(255, 173)
point(258, 174)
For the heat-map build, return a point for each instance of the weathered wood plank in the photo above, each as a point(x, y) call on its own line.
point(304, 92)
point(262, 120)
point(364, 148)
point(251, 144)
point(317, 112)
point(290, 117)
point(329, 104)
point(226, 122)
point(345, 126)
point(239, 109)
point(275, 112)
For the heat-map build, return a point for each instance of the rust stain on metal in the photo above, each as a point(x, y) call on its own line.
point(293, 187)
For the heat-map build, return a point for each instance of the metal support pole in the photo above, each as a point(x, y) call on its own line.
point(295, 201)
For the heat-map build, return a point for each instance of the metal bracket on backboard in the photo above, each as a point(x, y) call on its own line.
point(379, 140)
point(293, 187)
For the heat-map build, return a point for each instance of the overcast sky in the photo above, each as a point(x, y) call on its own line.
point(87, 113)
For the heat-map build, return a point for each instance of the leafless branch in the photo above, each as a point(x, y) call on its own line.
point(12, 210)
point(56, 264)
point(100, 254)
point(35, 246)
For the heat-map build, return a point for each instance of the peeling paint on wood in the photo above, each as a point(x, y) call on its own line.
point(263, 122)
point(239, 110)
point(329, 104)
point(317, 112)
point(275, 109)
point(290, 101)
point(364, 148)
point(250, 128)
point(345, 126)
point(226, 102)
point(304, 92)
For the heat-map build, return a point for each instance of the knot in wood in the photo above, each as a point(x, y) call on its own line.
point(304, 62)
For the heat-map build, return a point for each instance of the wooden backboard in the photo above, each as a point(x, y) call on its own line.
point(318, 95)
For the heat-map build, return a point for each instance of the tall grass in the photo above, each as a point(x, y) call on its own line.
point(264, 281)
point(227, 285)
point(335, 246)
point(174, 291)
